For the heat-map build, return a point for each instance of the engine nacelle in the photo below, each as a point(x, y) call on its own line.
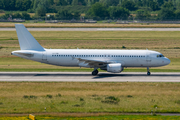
point(115, 68)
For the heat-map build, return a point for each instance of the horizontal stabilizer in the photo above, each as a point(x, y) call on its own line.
point(26, 40)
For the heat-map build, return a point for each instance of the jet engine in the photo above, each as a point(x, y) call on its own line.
point(114, 68)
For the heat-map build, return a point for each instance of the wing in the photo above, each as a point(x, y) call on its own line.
point(92, 63)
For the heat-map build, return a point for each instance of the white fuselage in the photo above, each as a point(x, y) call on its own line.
point(109, 60)
point(66, 57)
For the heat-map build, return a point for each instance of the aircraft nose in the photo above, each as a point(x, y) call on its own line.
point(166, 61)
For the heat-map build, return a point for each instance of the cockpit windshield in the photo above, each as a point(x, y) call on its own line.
point(161, 55)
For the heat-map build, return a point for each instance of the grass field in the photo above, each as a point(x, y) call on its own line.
point(122, 117)
point(89, 25)
point(72, 97)
point(165, 42)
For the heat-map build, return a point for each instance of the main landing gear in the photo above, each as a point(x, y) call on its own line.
point(148, 71)
point(95, 72)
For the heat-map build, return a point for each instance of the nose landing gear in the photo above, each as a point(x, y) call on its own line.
point(148, 71)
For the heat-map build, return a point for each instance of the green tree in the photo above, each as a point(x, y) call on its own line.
point(36, 2)
point(8, 4)
point(64, 15)
point(12, 4)
point(41, 11)
point(167, 11)
point(17, 15)
point(1, 4)
point(98, 10)
point(154, 5)
point(26, 16)
point(130, 5)
point(50, 2)
point(139, 3)
point(69, 2)
point(26, 4)
point(60, 2)
point(109, 2)
point(76, 15)
point(74, 2)
point(143, 15)
point(118, 13)
point(166, 14)
point(177, 13)
point(19, 4)
point(6, 16)
point(160, 2)
point(168, 5)
point(23, 5)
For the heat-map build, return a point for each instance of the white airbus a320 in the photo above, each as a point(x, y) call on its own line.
point(110, 60)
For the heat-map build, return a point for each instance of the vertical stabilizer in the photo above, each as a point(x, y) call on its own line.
point(26, 40)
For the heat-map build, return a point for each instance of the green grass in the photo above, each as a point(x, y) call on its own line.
point(122, 117)
point(98, 39)
point(33, 97)
point(110, 117)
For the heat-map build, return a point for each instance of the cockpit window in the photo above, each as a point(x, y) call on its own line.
point(160, 55)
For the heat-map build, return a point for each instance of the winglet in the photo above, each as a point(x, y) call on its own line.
point(26, 40)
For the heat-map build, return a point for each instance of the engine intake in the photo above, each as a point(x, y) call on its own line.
point(114, 68)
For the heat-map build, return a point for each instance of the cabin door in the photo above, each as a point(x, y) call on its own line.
point(148, 58)
point(44, 56)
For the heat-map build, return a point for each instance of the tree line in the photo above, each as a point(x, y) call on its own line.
point(94, 9)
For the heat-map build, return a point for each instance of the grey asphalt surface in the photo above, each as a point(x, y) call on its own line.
point(87, 77)
point(95, 29)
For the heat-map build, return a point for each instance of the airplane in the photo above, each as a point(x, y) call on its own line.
point(113, 61)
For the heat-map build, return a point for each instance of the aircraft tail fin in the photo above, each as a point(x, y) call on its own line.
point(26, 40)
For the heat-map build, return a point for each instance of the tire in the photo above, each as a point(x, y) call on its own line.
point(95, 72)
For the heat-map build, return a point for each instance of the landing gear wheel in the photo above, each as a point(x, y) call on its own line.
point(148, 73)
point(95, 72)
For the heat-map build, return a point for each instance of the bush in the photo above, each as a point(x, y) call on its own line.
point(25, 96)
point(31, 96)
point(76, 105)
point(111, 100)
point(178, 101)
point(49, 96)
point(155, 106)
point(17, 15)
point(2, 11)
point(26, 16)
point(81, 99)
point(64, 102)
point(58, 95)
point(123, 47)
point(129, 96)
point(30, 11)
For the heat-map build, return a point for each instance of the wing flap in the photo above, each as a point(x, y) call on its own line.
point(91, 63)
